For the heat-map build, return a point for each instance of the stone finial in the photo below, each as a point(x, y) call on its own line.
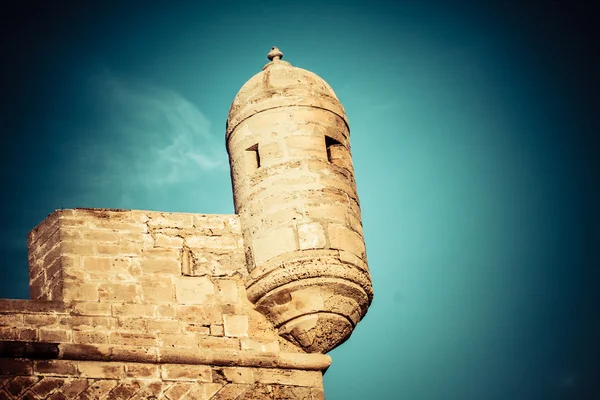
point(275, 54)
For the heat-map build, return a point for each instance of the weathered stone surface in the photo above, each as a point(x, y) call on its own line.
point(298, 204)
point(131, 304)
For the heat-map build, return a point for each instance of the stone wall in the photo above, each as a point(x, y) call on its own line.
point(135, 304)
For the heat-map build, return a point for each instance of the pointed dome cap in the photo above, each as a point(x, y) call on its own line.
point(280, 84)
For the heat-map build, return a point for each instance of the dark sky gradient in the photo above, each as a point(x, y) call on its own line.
point(475, 137)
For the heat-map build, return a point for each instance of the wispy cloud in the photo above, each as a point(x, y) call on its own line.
point(149, 137)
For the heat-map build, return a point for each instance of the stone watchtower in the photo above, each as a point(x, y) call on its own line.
point(293, 185)
point(129, 304)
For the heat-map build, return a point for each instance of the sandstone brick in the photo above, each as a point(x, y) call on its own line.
point(46, 386)
point(55, 335)
point(217, 330)
point(132, 339)
point(342, 238)
point(161, 265)
point(84, 322)
point(19, 385)
point(40, 320)
point(238, 375)
point(194, 290)
point(121, 292)
point(55, 367)
point(269, 347)
point(158, 289)
point(273, 376)
point(209, 221)
point(121, 249)
point(132, 324)
point(178, 220)
point(235, 325)
point(164, 326)
point(98, 235)
point(161, 240)
point(273, 243)
point(291, 392)
point(15, 366)
point(91, 308)
point(232, 391)
point(166, 310)
point(11, 320)
point(99, 389)
point(90, 337)
point(76, 249)
point(214, 342)
point(177, 340)
point(311, 236)
point(211, 242)
point(179, 390)
point(9, 333)
point(101, 369)
point(133, 310)
point(228, 291)
point(140, 371)
point(307, 378)
point(204, 391)
point(79, 291)
point(200, 373)
point(74, 386)
point(197, 329)
point(28, 334)
point(205, 315)
point(124, 390)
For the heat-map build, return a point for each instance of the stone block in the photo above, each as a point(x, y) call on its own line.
point(161, 240)
point(177, 372)
point(15, 366)
point(228, 291)
point(39, 320)
point(235, 325)
point(142, 371)
point(238, 374)
point(80, 291)
point(133, 310)
point(273, 243)
point(311, 236)
point(55, 335)
point(194, 290)
point(90, 337)
point(158, 289)
point(101, 369)
point(164, 325)
point(177, 340)
point(91, 308)
point(217, 330)
point(152, 264)
point(132, 339)
point(55, 367)
point(342, 238)
point(119, 292)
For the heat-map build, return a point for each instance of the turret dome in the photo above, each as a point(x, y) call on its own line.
point(280, 84)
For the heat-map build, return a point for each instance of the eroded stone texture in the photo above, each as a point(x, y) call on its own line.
point(288, 140)
point(129, 304)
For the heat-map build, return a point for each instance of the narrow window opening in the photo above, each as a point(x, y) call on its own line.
point(335, 150)
point(252, 159)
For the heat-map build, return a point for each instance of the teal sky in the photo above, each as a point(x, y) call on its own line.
point(474, 132)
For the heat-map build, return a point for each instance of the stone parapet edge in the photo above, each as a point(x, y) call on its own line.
point(229, 358)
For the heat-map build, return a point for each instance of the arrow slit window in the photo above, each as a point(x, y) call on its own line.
point(252, 159)
point(336, 151)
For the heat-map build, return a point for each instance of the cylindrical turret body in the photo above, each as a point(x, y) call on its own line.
point(293, 184)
